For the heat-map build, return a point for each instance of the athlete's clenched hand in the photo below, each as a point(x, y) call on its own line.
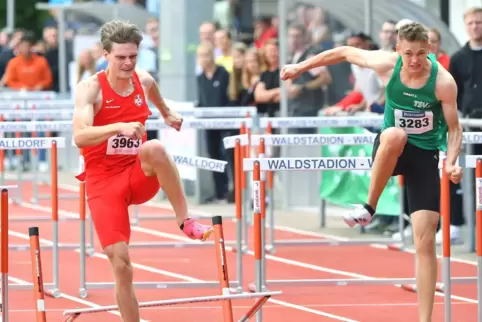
point(173, 119)
point(133, 130)
point(454, 172)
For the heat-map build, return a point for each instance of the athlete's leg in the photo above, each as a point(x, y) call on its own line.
point(155, 161)
point(424, 225)
point(118, 255)
point(392, 143)
point(386, 154)
point(423, 190)
point(111, 221)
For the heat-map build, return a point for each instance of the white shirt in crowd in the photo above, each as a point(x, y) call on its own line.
point(367, 82)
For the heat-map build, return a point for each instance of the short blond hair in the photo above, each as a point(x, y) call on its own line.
point(413, 32)
point(119, 32)
point(471, 11)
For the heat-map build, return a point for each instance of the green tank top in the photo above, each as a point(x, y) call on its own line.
point(417, 111)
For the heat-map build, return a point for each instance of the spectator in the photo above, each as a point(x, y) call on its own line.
point(388, 36)
point(267, 92)
point(306, 95)
point(254, 65)
point(436, 40)
point(235, 81)
point(213, 85)
point(85, 65)
point(28, 71)
point(97, 52)
point(264, 31)
point(206, 35)
point(8, 52)
point(223, 41)
point(50, 37)
point(147, 59)
point(319, 31)
point(366, 80)
point(465, 66)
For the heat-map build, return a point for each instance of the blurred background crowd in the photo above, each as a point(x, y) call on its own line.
point(238, 65)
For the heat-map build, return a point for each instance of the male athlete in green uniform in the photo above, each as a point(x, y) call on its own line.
point(421, 107)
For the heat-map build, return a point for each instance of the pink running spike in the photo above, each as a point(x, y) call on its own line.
point(195, 230)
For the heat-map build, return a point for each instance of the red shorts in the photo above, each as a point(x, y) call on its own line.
point(109, 199)
point(353, 97)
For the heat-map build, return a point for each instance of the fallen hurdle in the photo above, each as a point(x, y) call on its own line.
point(223, 283)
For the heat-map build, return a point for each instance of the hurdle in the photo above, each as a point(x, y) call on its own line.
point(363, 163)
point(306, 140)
point(223, 283)
point(200, 163)
point(52, 144)
point(34, 250)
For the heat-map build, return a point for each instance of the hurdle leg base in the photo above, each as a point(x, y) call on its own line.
point(55, 293)
point(270, 249)
point(83, 293)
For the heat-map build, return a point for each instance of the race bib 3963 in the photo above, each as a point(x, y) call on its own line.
point(119, 144)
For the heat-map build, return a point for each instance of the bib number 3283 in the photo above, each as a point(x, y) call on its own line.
point(414, 122)
point(119, 144)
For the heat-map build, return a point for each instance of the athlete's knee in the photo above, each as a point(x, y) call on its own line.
point(119, 258)
point(154, 153)
point(424, 223)
point(393, 139)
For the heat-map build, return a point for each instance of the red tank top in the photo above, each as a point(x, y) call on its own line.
point(114, 155)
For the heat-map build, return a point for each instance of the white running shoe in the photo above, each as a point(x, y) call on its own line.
point(359, 215)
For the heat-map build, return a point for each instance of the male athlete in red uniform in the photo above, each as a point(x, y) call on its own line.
point(121, 168)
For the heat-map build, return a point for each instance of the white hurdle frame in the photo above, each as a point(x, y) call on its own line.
point(53, 144)
point(199, 163)
point(360, 163)
point(317, 140)
point(223, 283)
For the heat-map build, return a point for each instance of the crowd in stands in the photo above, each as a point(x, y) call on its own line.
point(234, 73)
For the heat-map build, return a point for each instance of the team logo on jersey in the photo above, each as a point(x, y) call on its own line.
point(138, 100)
point(421, 104)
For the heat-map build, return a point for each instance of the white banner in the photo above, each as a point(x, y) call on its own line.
point(317, 164)
point(230, 141)
point(30, 143)
point(471, 160)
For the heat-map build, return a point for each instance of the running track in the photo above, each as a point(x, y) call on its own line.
point(317, 303)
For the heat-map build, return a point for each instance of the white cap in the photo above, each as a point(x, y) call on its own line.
point(402, 23)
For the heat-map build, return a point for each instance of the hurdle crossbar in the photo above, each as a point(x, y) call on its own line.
point(359, 281)
point(160, 285)
point(176, 244)
point(190, 300)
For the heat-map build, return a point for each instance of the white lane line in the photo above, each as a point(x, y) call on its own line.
point(171, 274)
point(65, 296)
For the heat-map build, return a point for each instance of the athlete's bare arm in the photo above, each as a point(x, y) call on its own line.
point(381, 62)
point(85, 134)
point(446, 92)
point(152, 92)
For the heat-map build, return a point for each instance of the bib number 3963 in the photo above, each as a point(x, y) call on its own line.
point(414, 122)
point(119, 144)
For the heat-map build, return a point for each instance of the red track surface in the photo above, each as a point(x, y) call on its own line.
point(317, 303)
